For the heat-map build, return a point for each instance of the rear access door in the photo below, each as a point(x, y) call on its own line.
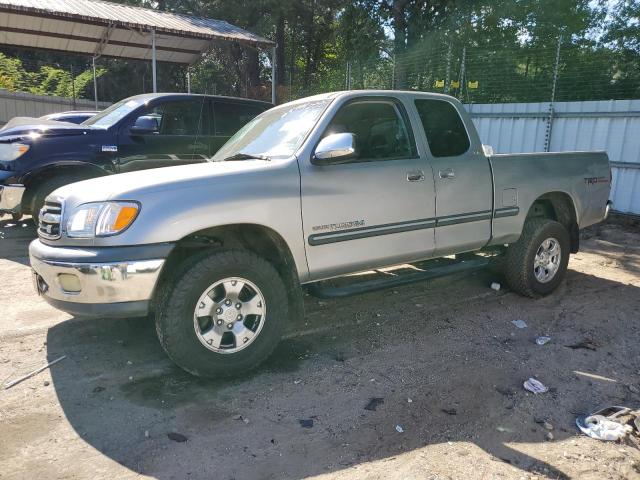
point(375, 209)
point(462, 177)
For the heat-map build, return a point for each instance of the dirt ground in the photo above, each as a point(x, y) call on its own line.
point(442, 355)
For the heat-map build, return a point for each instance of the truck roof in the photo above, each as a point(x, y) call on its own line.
point(149, 96)
point(372, 92)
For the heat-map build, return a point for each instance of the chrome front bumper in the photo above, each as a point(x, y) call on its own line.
point(109, 289)
point(11, 198)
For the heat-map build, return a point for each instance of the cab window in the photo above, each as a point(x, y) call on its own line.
point(231, 117)
point(175, 118)
point(443, 127)
point(379, 128)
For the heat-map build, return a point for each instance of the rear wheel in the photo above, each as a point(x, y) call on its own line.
point(536, 264)
point(223, 314)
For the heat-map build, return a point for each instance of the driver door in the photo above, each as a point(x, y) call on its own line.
point(176, 140)
point(376, 208)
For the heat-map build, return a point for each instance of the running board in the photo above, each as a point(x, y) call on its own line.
point(466, 264)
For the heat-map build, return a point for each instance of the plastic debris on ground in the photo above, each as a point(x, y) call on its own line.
point(240, 417)
point(176, 437)
point(374, 403)
point(543, 340)
point(399, 429)
point(519, 323)
point(495, 286)
point(611, 424)
point(306, 423)
point(535, 386)
point(586, 344)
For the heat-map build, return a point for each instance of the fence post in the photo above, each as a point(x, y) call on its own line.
point(73, 88)
point(393, 71)
point(547, 138)
point(462, 71)
point(447, 78)
point(95, 83)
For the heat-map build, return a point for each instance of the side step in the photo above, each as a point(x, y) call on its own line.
point(464, 264)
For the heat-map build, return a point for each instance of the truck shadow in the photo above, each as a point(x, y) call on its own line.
point(15, 238)
point(461, 366)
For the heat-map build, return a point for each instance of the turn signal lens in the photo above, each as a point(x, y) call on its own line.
point(115, 217)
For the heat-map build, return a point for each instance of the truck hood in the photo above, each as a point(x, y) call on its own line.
point(137, 185)
point(23, 126)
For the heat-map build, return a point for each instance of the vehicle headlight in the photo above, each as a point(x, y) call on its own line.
point(101, 219)
point(12, 151)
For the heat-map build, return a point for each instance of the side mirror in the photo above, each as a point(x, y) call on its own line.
point(144, 125)
point(335, 148)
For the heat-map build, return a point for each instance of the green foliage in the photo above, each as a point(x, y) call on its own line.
point(47, 80)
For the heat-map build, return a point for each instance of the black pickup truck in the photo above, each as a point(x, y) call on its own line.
point(38, 156)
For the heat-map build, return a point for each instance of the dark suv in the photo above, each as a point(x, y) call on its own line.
point(146, 131)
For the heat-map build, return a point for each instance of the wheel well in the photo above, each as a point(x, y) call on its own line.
point(257, 238)
point(33, 180)
point(558, 206)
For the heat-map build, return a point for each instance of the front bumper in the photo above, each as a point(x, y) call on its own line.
point(11, 198)
point(90, 282)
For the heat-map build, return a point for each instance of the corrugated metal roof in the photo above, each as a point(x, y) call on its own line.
point(81, 26)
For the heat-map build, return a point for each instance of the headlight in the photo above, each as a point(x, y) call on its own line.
point(11, 151)
point(101, 219)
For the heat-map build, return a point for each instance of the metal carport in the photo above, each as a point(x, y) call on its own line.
point(100, 28)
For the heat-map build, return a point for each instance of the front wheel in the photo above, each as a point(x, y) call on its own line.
point(536, 264)
point(223, 315)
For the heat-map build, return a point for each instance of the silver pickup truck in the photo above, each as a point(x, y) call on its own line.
point(308, 191)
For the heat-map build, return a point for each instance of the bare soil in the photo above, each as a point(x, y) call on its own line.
point(443, 357)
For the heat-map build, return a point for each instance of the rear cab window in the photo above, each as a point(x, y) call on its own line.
point(443, 127)
point(229, 117)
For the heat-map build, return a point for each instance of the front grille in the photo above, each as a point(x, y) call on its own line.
point(49, 220)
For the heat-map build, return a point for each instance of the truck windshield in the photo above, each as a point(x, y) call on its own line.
point(276, 133)
point(114, 113)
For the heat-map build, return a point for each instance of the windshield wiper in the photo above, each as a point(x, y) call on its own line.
point(246, 156)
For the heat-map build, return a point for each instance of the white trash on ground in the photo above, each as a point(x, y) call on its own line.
point(535, 386)
point(543, 340)
point(495, 286)
point(610, 424)
point(519, 323)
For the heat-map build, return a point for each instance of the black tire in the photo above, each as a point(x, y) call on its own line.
point(178, 299)
point(44, 189)
point(520, 257)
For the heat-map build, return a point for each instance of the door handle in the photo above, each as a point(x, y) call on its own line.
point(416, 176)
point(447, 173)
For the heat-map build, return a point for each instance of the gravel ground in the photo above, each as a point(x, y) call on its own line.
point(442, 357)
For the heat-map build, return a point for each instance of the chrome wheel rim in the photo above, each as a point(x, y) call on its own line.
point(547, 260)
point(229, 315)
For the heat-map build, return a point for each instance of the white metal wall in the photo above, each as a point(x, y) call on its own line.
point(21, 104)
point(613, 126)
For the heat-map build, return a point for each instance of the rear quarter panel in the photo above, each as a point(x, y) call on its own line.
point(583, 176)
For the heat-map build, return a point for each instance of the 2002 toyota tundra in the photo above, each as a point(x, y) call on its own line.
point(311, 190)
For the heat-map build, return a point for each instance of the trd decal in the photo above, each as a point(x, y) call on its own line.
point(595, 180)
point(338, 226)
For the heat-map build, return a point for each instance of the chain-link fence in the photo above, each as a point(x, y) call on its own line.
point(560, 69)
point(557, 69)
